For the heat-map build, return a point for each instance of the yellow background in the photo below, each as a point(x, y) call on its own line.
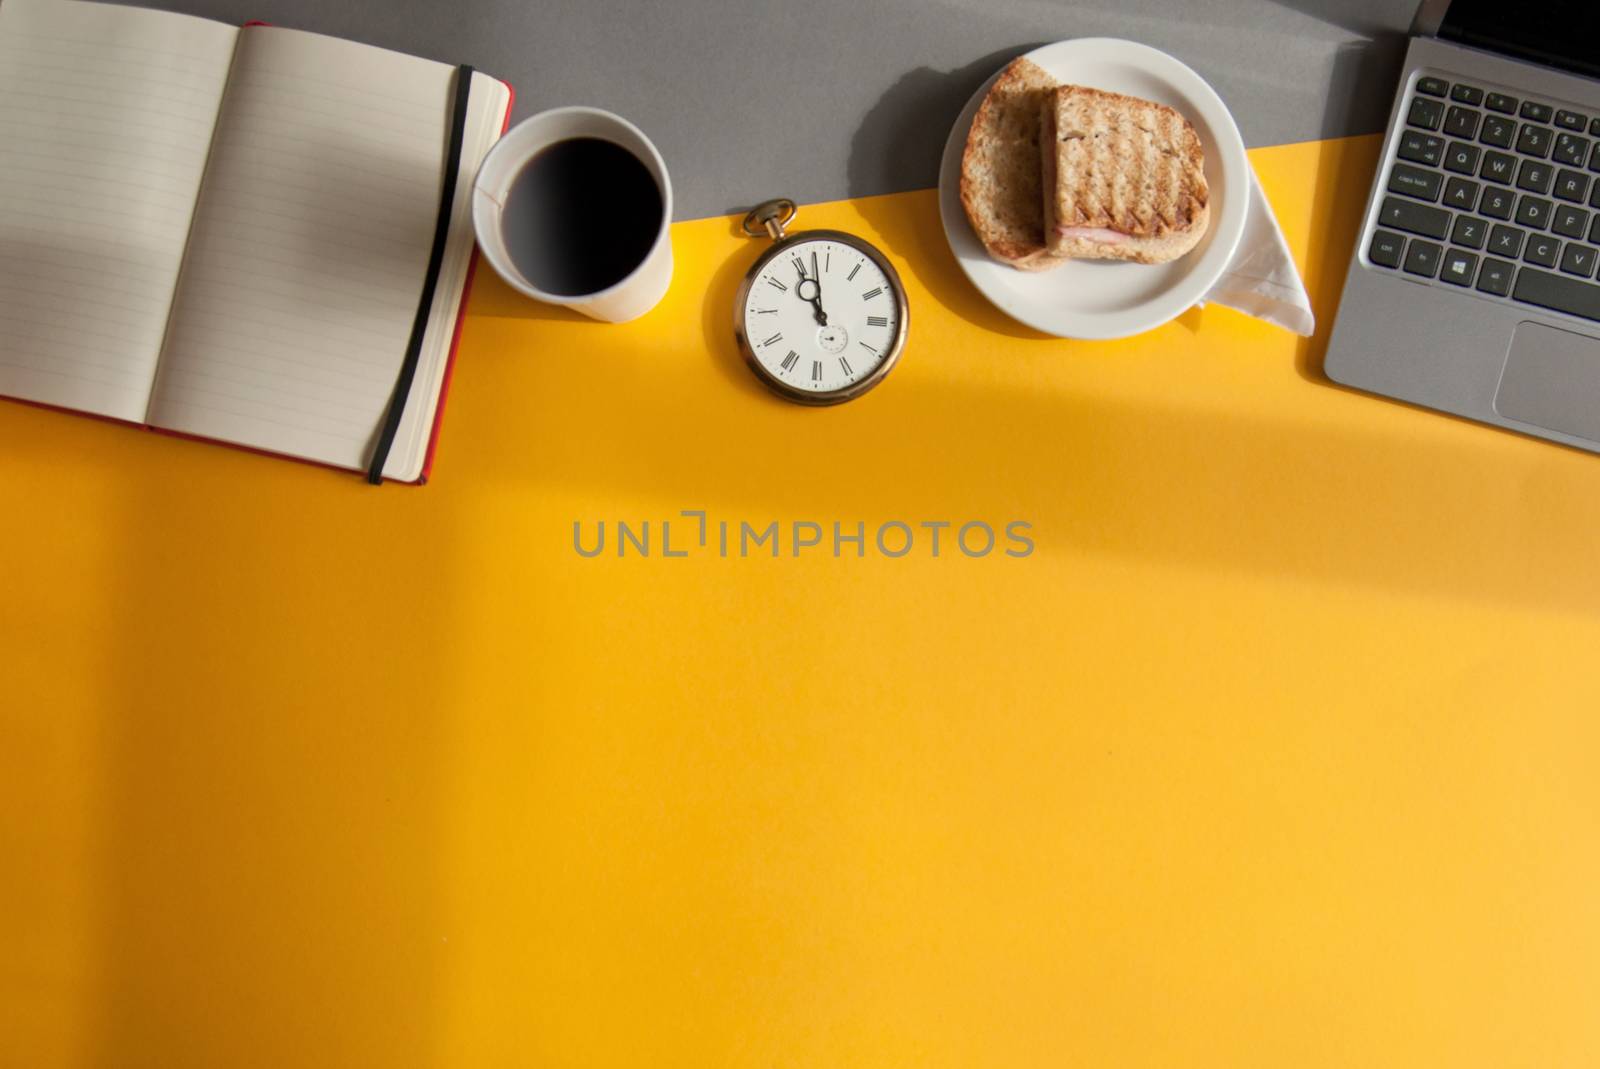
point(1281, 750)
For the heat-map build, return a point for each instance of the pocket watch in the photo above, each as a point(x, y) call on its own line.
point(822, 316)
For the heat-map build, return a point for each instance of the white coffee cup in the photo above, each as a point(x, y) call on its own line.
point(627, 299)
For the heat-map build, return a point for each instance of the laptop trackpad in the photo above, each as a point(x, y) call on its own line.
point(1552, 380)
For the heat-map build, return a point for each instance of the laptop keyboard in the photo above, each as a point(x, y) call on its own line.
point(1494, 193)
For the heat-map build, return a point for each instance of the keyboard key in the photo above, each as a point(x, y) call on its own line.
point(1533, 211)
point(1570, 148)
point(1536, 112)
point(1542, 250)
point(1535, 177)
point(1434, 87)
point(1594, 231)
point(1533, 140)
point(1495, 277)
point(1457, 267)
point(1570, 222)
point(1386, 248)
point(1416, 181)
point(1469, 231)
point(1578, 260)
point(1422, 257)
point(1461, 157)
point(1414, 218)
point(1459, 192)
point(1571, 120)
point(1500, 102)
point(1572, 185)
point(1467, 95)
point(1497, 166)
point(1505, 241)
point(1498, 203)
point(1594, 158)
point(1425, 113)
point(1558, 293)
point(1423, 148)
point(1461, 122)
point(1498, 132)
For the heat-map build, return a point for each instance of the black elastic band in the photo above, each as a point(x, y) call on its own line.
point(419, 326)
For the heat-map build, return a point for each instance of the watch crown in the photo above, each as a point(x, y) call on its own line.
point(771, 216)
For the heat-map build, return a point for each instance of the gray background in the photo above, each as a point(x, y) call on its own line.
point(823, 99)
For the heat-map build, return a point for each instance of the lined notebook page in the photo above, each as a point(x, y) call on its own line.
point(106, 115)
point(309, 249)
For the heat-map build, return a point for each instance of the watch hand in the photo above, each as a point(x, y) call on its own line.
point(822, 317)
point(816, 309)
point(815, 298)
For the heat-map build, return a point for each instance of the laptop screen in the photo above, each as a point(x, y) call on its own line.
point(1557, 33)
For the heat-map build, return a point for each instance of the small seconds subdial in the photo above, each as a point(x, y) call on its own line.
point(822, 318)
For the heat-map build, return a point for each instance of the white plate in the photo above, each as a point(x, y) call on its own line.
point(1105, 298)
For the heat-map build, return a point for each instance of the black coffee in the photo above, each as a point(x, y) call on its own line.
point(580, 216)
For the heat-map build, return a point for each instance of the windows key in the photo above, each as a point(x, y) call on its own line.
point(1457, 267)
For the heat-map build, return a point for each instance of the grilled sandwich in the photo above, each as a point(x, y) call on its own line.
point(1123, 178)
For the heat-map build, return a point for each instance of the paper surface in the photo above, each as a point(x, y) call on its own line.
point(106, 114)
point(1261, 279)
point(309, 250)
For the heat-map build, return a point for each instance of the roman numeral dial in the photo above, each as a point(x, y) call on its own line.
point(821, 318)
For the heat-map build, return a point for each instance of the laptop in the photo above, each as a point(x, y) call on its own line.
point(1474, 286)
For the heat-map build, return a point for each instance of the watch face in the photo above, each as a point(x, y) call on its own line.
point(822, 318)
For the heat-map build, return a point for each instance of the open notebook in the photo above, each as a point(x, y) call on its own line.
point(225, 232)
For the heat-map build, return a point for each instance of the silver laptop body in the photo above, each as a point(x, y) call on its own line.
point(1473, 288)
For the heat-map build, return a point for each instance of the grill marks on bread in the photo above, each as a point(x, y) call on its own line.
point(1123, 178)
point(1125, 164)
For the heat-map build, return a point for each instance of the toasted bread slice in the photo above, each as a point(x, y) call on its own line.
point(1001, 168)
point(1123, 178)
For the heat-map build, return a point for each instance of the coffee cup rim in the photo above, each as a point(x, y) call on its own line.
point(509, 145)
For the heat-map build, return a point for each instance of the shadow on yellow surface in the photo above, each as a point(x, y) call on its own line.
point(1182, 447)
point(271, 759)
point(1278, 750)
